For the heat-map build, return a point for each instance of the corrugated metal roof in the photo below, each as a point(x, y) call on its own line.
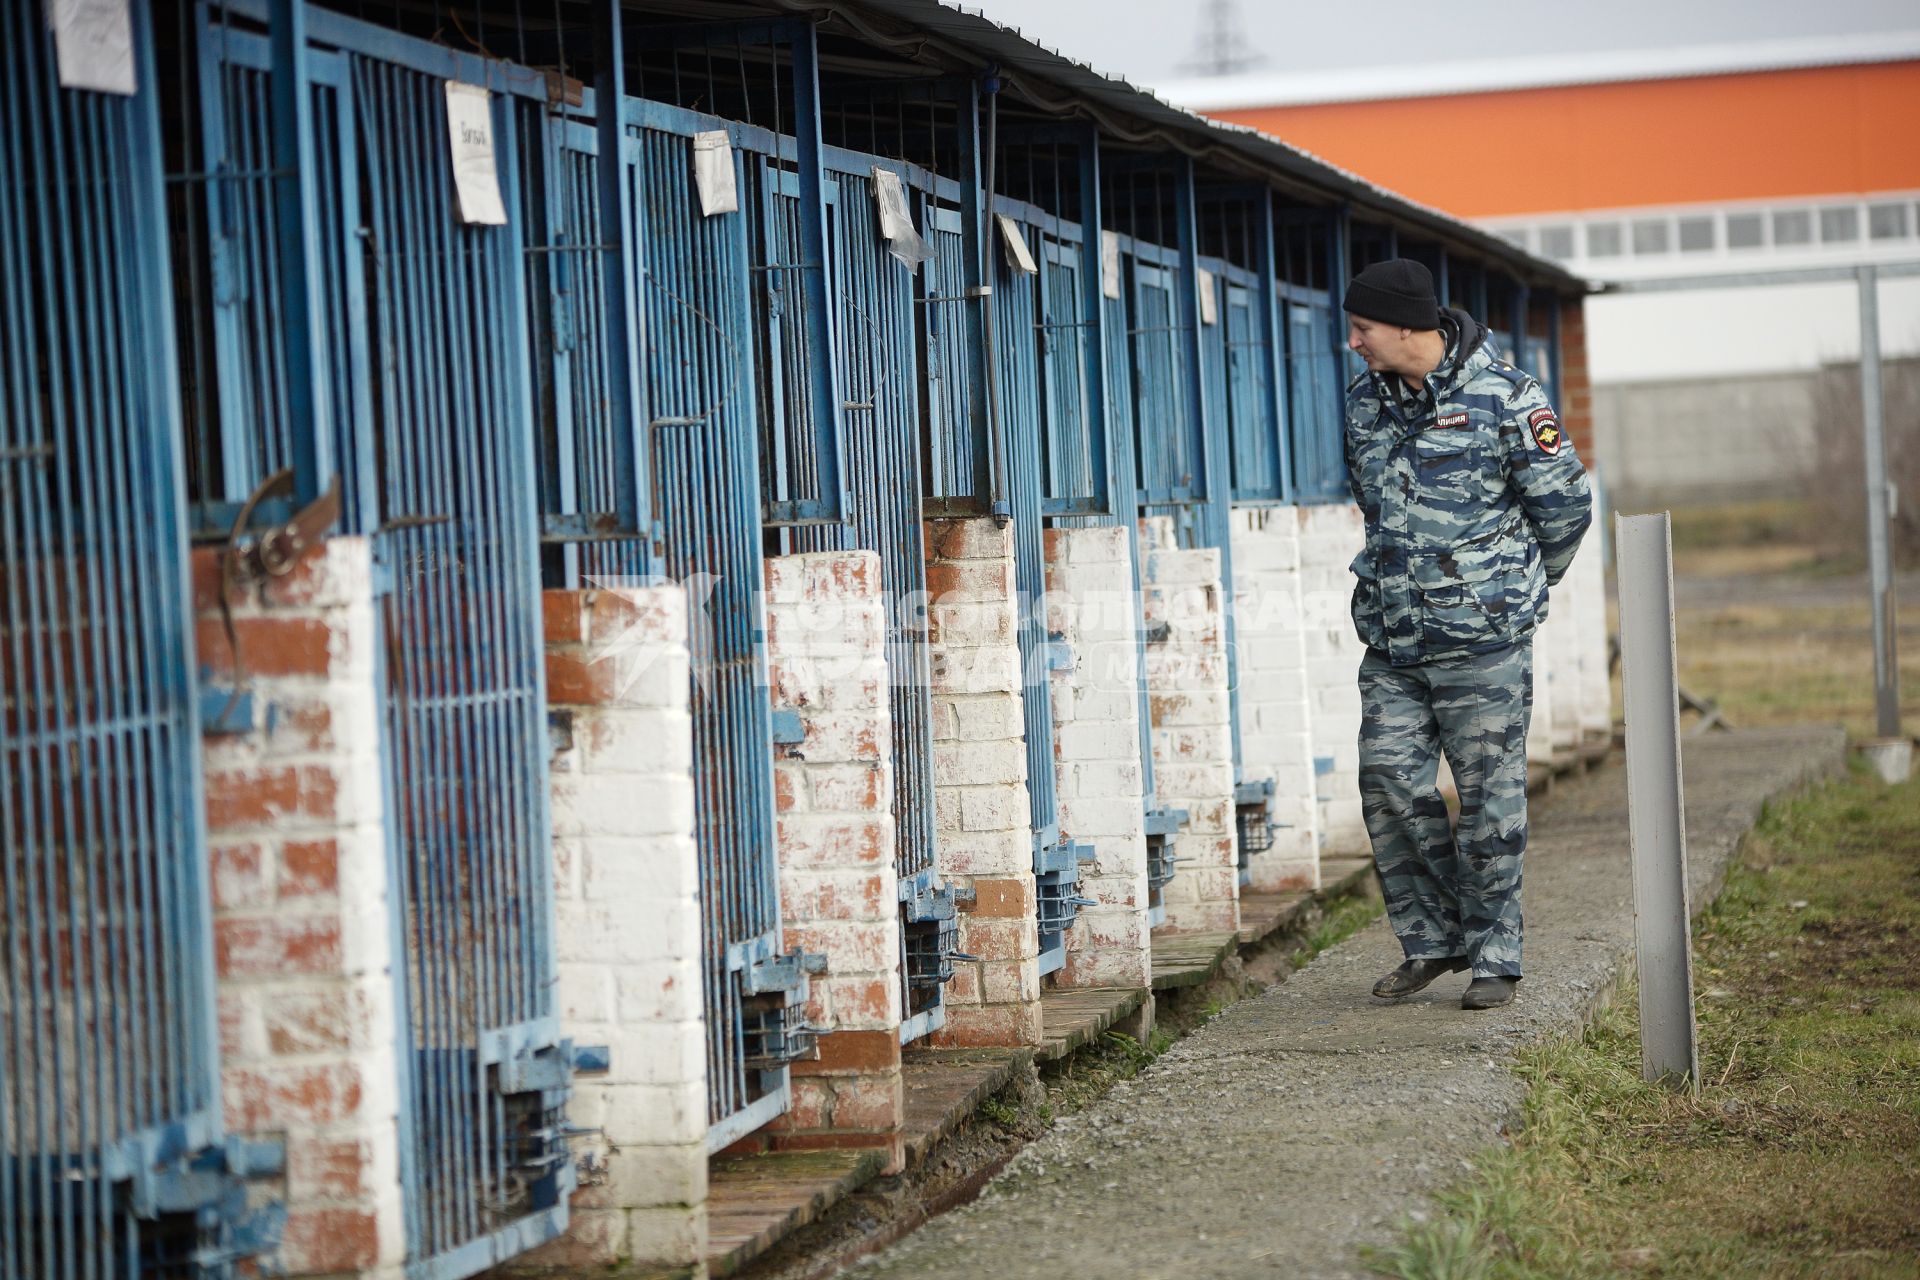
point(1037, 66)
point(1492, 75)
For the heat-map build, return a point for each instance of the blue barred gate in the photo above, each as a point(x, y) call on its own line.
point(423, 417)
point(110, 1124)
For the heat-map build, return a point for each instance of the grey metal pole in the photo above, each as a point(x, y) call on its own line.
point(1886, 670)
point(1656, 810)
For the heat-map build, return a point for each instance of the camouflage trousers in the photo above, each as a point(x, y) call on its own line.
point(1450, 892)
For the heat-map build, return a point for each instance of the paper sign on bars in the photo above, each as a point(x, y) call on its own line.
point(1019, 257)
point(896, 222)
point(713, 172)
point(1209, 307)
point(93, 43)
point(1110, 264)
point(476, 181)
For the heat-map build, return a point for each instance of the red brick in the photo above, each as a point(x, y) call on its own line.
point(563, 617)
point(239, 876)
point(301, 585)
point(295, 1096)
point(309, 868)
point(300, 1022)
point(853, 1052)
point(302, 728)
point(276, 946)
point(316, 1241)
point(1010, 899)
point(273, 647)
point(787, 781)
point(573, 679)
point(233, 1020)
point(321, 1168)
point(251, 797)
point(868, 1103)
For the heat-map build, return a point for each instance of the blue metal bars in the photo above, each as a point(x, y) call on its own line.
point(108, 1079)
point(426, 394)
point(697, 296)
point(485, 1171)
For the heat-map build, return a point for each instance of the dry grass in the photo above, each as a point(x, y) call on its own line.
point(1775, 629)
point(1800, 1155)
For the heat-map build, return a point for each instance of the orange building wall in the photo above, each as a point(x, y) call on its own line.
point(1701, 139)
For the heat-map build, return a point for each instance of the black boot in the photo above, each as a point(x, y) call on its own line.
point(1489, 993)
point(1413, 975)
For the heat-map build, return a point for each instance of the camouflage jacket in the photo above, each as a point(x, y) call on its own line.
point(1475, 503)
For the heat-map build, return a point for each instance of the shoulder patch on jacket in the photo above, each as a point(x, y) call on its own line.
point(1546, 431)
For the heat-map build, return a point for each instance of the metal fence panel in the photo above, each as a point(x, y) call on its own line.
point(1169, 456)
point(1315, 396)
point(956, 450)
point(876, 341)
point(106, 1005)
point(463, 693)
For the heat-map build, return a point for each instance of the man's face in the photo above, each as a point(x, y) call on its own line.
point(1386, 348)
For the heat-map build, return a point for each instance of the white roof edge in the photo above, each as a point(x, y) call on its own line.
point(1270, 89)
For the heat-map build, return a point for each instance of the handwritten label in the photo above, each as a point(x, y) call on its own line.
point(896, 221)
point(93, 44)
point(476, 181)
point(713, 173)
point(1019, 256)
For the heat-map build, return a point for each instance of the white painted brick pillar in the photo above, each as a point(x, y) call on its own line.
point(627, 916)
point(1588, 581)
point(826, 658)
point(1276, 713)
point(1192, 730)
point(302, 932)
point(1102, 786)
point(1330, 537)
point(983, 822)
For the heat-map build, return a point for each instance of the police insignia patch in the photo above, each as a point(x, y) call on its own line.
point(1546, 431)
point(1451, 420)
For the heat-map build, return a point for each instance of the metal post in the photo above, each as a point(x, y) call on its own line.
point(1656, 812)
point(309, 423)
point(1886, 671)
point(632, 445)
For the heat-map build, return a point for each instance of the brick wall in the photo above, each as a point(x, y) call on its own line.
point(1276, 713)
point(982, 817)
point(1330, 536)
point(826, 656)
point(1192, 730)
point(1576, 388)
point(302, 930)
point(1096, 711)
point(627, 917)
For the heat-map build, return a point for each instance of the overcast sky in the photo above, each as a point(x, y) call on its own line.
point(1152, 41)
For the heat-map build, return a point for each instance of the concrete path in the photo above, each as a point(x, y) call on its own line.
point(1300, 1124)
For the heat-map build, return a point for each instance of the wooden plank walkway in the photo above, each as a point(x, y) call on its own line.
point(945, 1086)
point(755, 1201)
point(1189, 959)
point(1072, 1019)
point(1265, 914)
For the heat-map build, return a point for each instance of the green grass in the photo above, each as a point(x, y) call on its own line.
point(1800, 1154)
point(1343, 919)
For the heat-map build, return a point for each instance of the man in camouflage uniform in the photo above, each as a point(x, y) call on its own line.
point(1475, 503)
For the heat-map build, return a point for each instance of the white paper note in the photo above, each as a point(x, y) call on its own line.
point(1209, 307)
point(1110, 264)
point(93, 43)
point(713, 172)
point(475, 179)
point(1019, 257)
point(896, 220)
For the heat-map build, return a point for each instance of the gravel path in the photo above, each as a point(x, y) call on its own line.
point(1300, 1124)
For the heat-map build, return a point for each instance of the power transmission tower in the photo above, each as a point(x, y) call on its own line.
point(1221, 47)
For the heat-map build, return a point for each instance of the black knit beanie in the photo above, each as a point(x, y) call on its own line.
point(1398, 292)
